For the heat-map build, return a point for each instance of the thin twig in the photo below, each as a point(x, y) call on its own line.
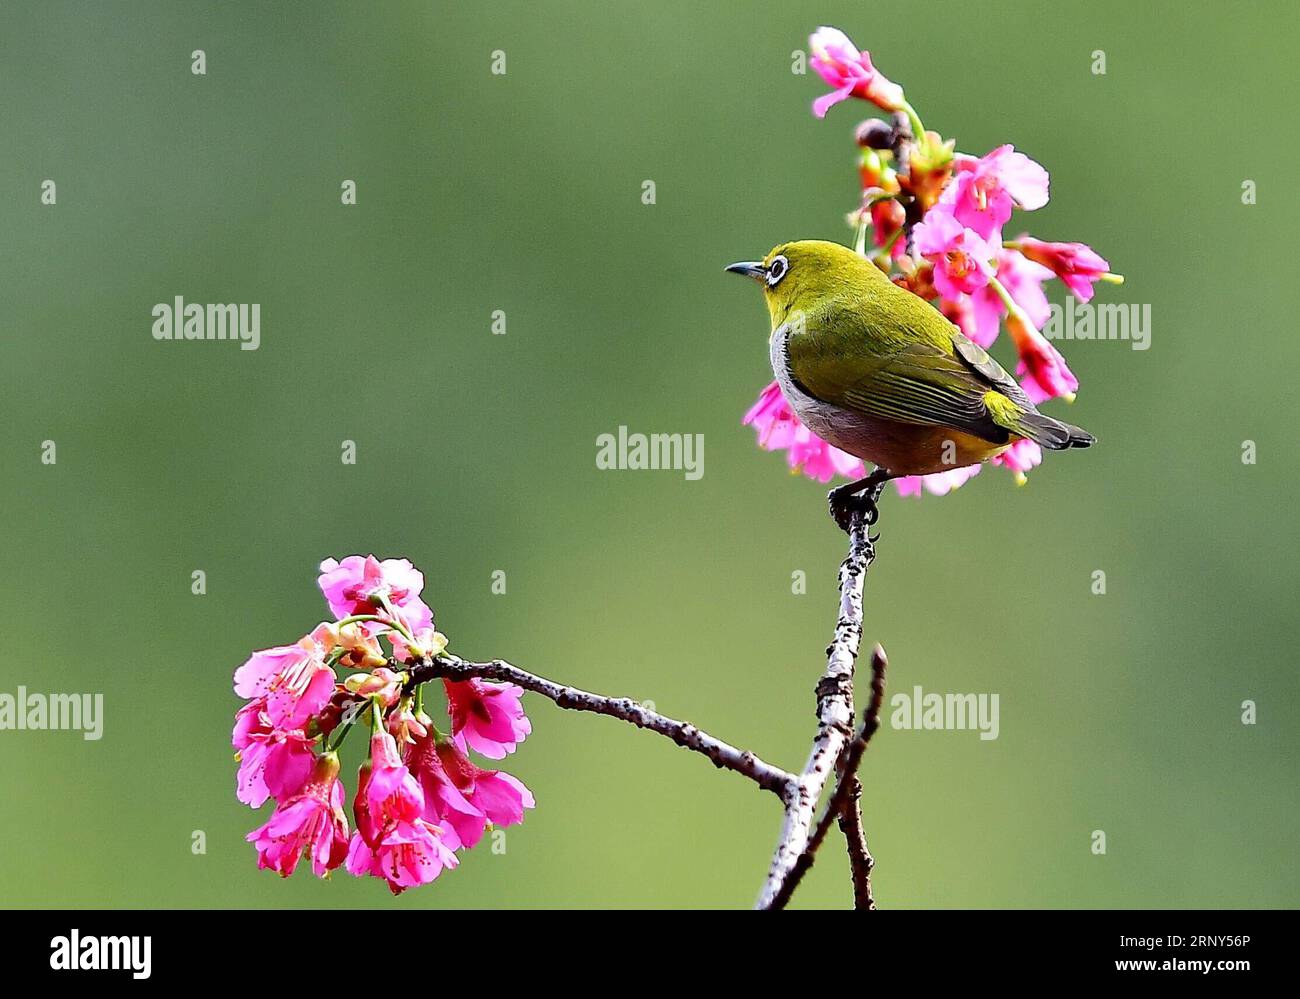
point(861, 863)
point(849, 792)
point(834, 720)
point(844, 801)
point(723, 755)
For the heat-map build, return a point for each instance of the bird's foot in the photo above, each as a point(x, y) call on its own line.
point(857, 497)
point(843, 506)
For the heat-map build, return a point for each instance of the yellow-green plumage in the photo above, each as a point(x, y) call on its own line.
point(881, 374)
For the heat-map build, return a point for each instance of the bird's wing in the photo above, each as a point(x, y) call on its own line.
point(1011, 408)
point(920, 383)
point(979, 361)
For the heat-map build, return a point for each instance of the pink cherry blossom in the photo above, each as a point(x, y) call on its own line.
point(311, 820)
point(393, 841)
point(1042, 370)
point(487, 716)
point(984, 191)
point(273, 763)
point(779, 429)
point(404, 724)
point(979, 316)
point(380, 684)
point(887, 218)
point(1023, 279)
point(444, 803)
point(936, 483)
point(962, 313)
point(1077, 265)
point(773, 418)
point(355, 647)
point(818, 460)
point(418, 797)
point(987, 310)
point(294, 679)
point(961, 257)
point(360, 585)
point(1020, 457)
point(498, 795)
point(462, 797)
point(249, 720)
point(846, 68)
point(408, 855)
point(427, 643)
point(387, 793)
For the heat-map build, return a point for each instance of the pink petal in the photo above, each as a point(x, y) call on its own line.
point(826, 101)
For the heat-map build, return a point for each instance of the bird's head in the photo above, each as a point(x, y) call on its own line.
point(797, 276)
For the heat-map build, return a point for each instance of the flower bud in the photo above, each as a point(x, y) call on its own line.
point(875, 134)
point(849, 70)
point(887, 218)
point(326, 768)
point(383, 684)
point(875, 172)
point(1076, 264)
point(929, 167)
point(404, 724)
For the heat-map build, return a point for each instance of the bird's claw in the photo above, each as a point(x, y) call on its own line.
point(843, 505)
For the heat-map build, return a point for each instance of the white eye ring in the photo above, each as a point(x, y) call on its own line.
point(776, 270)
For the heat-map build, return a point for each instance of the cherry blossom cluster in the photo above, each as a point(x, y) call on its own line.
point(936, 218)
point(419, 796)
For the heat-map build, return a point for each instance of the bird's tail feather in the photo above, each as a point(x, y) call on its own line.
point(1053, 434)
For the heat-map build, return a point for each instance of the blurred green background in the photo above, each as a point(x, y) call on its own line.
point(477, 452)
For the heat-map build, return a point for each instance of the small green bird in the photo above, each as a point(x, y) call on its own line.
point(880, 373)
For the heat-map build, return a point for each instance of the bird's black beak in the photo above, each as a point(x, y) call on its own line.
point(750, 268)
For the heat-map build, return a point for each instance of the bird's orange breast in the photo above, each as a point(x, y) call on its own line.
point(909, 449)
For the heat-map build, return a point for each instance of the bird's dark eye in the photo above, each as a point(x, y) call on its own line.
point(776, 271)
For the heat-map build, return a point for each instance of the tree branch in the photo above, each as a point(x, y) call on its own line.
point(861, 863)
point(843, 805)
point(834, 746)
point(723, 755)
point(834, 722)
point(846, 803)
